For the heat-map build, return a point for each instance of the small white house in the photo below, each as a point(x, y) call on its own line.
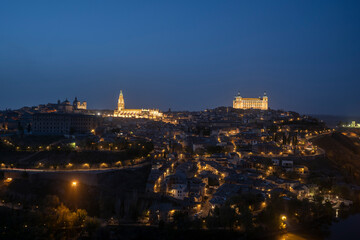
point(179, 191)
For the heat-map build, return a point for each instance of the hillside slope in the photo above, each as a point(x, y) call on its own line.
point(344, 152)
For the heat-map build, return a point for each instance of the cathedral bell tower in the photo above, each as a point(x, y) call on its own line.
point(121, 102)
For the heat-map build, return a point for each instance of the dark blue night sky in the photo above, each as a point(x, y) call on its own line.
point(182, 54)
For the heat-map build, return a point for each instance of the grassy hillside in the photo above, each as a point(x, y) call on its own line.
point(344, 152)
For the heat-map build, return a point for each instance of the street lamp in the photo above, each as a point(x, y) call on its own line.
point(283, 224)
point(74, 183)
point(7, 180)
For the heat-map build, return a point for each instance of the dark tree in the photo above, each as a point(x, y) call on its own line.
point(20, 129)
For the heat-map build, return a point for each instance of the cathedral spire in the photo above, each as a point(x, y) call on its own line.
point(121, 102)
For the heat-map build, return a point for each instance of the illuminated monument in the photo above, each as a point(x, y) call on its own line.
point(134, 113)
point(251, 103)
point(121, 102)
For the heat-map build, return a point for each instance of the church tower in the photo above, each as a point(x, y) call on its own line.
point(265, 102)
point(121, 102)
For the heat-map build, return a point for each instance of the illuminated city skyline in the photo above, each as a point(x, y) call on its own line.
point(179, 119)
point(182, 56)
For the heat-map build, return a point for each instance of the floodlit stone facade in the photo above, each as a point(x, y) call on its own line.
point(261, 103)
point(134, 113)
